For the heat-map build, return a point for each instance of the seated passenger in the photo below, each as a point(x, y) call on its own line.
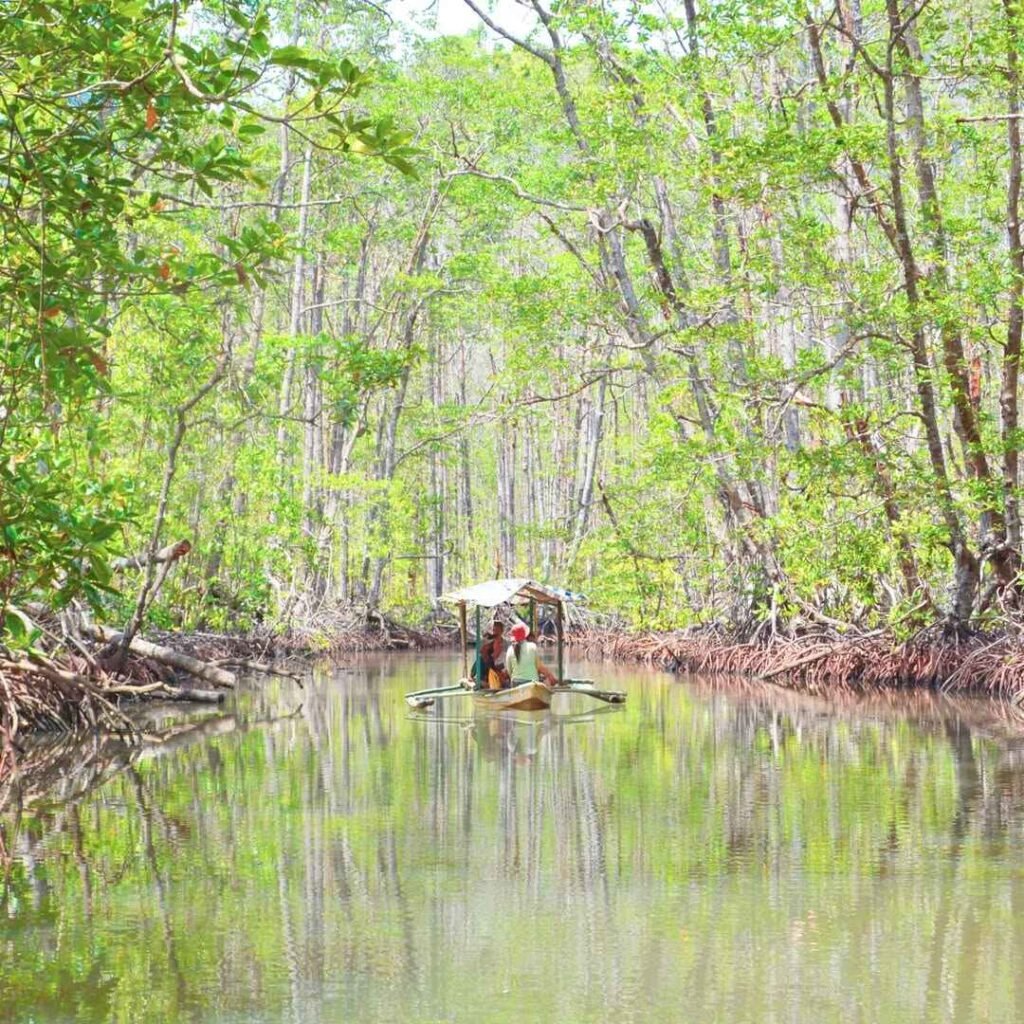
point(494, 652)
point(484, 665)
point(522, 662)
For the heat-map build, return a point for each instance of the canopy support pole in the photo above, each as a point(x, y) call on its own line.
point(533, 617)
point(463, 632)
point(558, 626)
point(479, 666)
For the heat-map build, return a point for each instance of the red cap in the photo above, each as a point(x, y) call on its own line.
point(519, 632)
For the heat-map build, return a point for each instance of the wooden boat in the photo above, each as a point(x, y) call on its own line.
point(524, 697)
point(533, 696)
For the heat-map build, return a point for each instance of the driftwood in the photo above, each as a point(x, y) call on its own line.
point(258, 666)
point(195, 696)
point(167, 692)
point(171, 553)
point(165, 656)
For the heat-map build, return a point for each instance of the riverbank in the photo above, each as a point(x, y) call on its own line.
point(77, 675)
point(76, 678)
point(976, 664)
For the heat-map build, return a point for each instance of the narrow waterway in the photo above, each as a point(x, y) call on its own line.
point(715, 851)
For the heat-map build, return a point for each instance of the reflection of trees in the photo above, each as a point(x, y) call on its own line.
point(62, 768)
point(712, 840)
point(765, 727)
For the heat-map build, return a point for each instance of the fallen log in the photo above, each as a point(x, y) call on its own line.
point(166, 692)
point(195, 696)
point(165, 655)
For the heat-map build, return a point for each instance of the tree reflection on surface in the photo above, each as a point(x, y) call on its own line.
point(714, 851)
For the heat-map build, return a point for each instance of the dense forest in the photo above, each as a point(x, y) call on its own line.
point(713, 312)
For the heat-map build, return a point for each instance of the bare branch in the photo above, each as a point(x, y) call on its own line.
point(989, 117)
point(518, 192)
point(505, 34)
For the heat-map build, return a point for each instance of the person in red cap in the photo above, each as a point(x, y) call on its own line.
point(521, 660)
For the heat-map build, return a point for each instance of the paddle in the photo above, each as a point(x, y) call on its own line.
point(424, 698)
point(587, 688)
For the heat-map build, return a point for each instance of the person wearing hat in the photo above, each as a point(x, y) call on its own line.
point(521, 660)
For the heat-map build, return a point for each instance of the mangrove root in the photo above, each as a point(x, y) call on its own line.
point(828, 662)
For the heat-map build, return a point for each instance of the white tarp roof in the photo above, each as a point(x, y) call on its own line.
point(495, 592)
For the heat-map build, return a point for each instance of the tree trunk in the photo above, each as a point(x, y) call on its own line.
point(295, 315)
point(966, 569)
point(1008, 394)
point(312, 447)
point(465, 465)
point(594, 434)
point(388, 447)
point(937, 285)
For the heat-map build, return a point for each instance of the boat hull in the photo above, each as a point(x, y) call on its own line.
point(524, 697)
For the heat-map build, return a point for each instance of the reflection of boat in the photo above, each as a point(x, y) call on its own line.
point(522, 717)
point(517, 734)
point(498, 734)
point(525, 697)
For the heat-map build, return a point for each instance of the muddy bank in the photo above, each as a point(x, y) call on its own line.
point(78, 676)
point(977, 664)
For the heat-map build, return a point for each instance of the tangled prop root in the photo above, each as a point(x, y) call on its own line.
point(73, 684)
point(977, 664)
point(345, 629)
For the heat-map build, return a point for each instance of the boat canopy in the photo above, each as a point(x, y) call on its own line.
point(494, 592)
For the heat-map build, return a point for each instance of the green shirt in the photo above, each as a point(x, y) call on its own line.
point(524, 668)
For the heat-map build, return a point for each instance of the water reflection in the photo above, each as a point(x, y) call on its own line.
point(714, 851)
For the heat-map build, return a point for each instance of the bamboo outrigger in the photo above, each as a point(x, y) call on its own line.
point(529, 696)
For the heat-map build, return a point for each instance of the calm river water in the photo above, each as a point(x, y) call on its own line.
point(715, 851)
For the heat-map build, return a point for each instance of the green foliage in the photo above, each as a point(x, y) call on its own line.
point(113, 115)
point(413, 371)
